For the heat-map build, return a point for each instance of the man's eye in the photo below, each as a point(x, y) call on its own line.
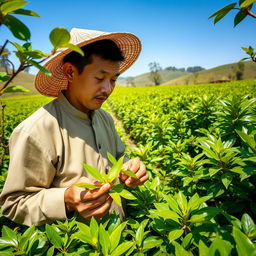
point(99, 79)
point(113, 80)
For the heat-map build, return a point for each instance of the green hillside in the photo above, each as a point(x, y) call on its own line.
point(24, 79)
point(145, 80)
point(219, 74)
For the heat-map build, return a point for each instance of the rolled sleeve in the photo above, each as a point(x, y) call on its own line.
point(27, 197)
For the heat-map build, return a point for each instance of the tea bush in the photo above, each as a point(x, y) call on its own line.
point(198, 143)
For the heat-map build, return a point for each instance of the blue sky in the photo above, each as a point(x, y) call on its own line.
point(173, 32)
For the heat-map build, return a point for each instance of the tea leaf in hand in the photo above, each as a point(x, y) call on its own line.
point(94, 173)
point(116, 197)
point(115, 170)
point(130, 173)
point(87, 185)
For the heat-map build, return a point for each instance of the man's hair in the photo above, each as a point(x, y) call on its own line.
point(105, 49)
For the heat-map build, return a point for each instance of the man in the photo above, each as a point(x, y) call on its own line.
point(47, 149)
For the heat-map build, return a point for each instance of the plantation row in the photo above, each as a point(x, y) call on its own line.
point(198, 143)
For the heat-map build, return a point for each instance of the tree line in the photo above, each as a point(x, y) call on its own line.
point(188, 69)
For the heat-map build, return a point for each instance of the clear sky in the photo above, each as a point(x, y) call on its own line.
point(173, 32)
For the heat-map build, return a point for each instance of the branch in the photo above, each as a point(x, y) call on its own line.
point(248, 12)
point(21, 67)
point(2, 49)
point(13, 68)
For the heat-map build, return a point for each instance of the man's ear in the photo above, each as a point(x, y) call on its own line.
point(68, 71)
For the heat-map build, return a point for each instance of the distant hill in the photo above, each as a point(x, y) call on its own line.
point(24, 79)
point(145, 80)
point(218, 74)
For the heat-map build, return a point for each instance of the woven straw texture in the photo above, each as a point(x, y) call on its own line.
point(52, 85)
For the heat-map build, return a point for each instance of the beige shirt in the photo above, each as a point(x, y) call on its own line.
point(46, 152)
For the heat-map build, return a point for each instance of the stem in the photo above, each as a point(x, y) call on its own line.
point(3, 47)
point(248, 12)
point(2, 146)
point(21, 67)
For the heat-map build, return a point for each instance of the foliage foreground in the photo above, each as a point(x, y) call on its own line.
point(199, 145)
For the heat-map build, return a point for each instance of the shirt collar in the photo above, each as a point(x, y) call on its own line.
point(71, 109)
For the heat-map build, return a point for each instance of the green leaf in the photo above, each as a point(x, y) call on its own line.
point(151, 242)
point(28, 237)
point(129, 173)
point(248, 224)
point(18, 29)
point(84, 237)
point(12, 6)
point(172, 203)
point(244, 245)
point(220, 247)
point(74, 48)
point(115, 236)
point(50, 252)
point(4, 77)
point(18, 46)
point(116, 197)
point(168, 214)
point(53, 236)
point(247, 3)
point(36, 54)
point(117, 188)
point(239, 17)
point(87, 185)
point(203, 249)
point(122, 248)
point(8, 233)
point(115, 170)
point(175, 234)
point(26, 12)
point(104, 240)
point(139, 235)
point(59, 36)
point(187, 240)
point(41, 68)
point(204, 214)
point(222, 12)
point(111, 158)
point(226, 179)
point(213, 171)
point(195, 201)
point(8, 242)
point(16, 88)
point(182, 202)
point(93, 172)
point(179, 250)
point(127, 195)
point(94, 230)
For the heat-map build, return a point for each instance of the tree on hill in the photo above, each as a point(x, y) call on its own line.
point(154, 72)
point(175, 69)
point(194, 69)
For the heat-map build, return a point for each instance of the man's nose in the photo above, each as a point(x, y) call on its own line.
point(107, 87)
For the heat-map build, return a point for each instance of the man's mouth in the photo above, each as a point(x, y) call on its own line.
point(101, 98)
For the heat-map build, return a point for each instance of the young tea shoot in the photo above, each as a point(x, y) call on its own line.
point(116, 191)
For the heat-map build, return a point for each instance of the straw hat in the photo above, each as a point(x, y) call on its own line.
point(52, 85)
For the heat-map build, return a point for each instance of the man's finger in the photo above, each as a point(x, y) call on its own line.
point(92, 204)
point(95, 193)
point(100, 211)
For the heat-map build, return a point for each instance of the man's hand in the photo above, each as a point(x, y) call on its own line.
point(136, 166)
point(87, 202)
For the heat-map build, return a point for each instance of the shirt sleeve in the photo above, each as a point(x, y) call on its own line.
point(27, 197)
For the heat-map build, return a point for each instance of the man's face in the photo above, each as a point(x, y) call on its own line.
point(88, 90)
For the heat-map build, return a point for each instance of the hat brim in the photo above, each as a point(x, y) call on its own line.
point(52, 85)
